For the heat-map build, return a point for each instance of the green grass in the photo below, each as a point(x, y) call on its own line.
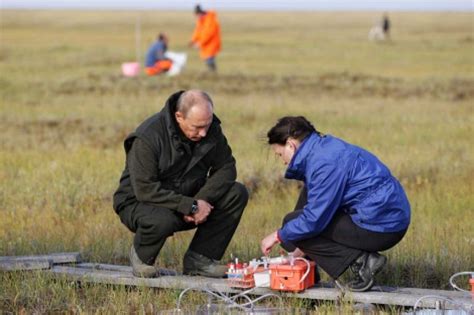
point(65, 110)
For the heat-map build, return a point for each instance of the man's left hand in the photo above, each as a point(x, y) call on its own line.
point(204, 209)
point(188, 219)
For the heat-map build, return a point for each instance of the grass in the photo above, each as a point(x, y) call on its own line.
point(65, 110)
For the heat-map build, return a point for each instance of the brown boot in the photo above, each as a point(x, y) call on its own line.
point(140, 269)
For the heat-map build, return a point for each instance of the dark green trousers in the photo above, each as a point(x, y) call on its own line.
point(153, 225)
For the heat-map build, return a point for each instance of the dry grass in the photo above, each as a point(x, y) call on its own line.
point(65, 111)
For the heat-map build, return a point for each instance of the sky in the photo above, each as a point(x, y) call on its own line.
point(386, 5)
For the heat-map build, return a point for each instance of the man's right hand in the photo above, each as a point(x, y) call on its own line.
point(204, 209)
point(192, 44)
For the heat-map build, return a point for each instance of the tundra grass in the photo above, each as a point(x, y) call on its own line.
point(65, 110)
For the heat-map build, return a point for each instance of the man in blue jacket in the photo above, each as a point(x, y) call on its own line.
point(155, 59)
point(351, 206)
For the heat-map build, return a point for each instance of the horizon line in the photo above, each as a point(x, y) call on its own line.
point(226, 9)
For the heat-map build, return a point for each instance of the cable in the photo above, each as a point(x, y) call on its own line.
point(252, 302)
point(437, 297)
point(451, 280)
point(229, 301)
point(308, 269)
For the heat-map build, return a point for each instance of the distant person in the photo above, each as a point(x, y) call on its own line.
point(160, 60)
point(207, 36)
point(155, 61)
point(351, 206)
point(179, 175)
point(386, 26)
point(381, 30)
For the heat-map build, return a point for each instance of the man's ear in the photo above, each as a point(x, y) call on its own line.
point(179, 116)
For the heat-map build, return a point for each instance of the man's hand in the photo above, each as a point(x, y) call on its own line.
point(268, 242)
point(192, 44)
point(188, 219)
point(204, 209)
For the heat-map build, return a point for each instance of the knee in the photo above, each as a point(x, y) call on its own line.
point(239, 193)
point(234, 201)
point(158, 226)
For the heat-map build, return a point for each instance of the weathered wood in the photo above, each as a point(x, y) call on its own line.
point(10, 263)
point(25, 265)
point(99, 273)
point(126, 269)
point(122, 275)
point(56, 258)
point(408, 297)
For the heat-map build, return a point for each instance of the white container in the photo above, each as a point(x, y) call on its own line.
point(262, 279)
point(179, 61)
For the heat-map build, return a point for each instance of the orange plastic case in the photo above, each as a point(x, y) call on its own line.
point(471, 282)
point(285, 277)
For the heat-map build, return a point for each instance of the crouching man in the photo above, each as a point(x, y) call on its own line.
point(180, 174)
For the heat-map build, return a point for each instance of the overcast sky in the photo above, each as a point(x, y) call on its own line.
point(437, 5)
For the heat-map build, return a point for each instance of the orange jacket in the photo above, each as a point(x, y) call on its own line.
point(207, 34)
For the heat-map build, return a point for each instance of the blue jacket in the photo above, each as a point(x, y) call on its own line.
point(155, 53)
point(343, 177)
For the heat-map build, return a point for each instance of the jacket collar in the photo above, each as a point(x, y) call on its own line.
point(296, 168)
point(168, 112)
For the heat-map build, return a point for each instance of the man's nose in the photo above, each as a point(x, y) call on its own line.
point(202, 133)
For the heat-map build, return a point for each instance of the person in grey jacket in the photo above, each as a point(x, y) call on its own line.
point(180, 174)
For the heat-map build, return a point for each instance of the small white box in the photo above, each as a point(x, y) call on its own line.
point(262, 279)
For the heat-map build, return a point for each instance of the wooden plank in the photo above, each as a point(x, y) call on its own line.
point(36, 264)
point(11, 263)
point(122, 275)
point(126, 269)
point(55, 258)
point(408, 297)
point(125, 277)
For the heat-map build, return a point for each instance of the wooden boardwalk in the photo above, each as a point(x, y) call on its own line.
point(11, 263)
point(122, 275)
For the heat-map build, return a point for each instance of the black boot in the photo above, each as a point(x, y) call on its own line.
point(317, 275)
point(365, 267)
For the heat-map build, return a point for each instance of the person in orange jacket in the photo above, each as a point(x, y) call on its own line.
point(207, 36)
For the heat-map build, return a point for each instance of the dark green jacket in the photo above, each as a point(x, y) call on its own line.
point(173, 170)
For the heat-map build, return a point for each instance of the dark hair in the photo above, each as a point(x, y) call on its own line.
point(198, 9)
point(296, 127)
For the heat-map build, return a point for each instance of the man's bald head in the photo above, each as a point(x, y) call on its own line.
point(194, 114)
point(191, 98)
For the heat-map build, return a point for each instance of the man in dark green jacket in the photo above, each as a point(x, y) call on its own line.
point(180, 174)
